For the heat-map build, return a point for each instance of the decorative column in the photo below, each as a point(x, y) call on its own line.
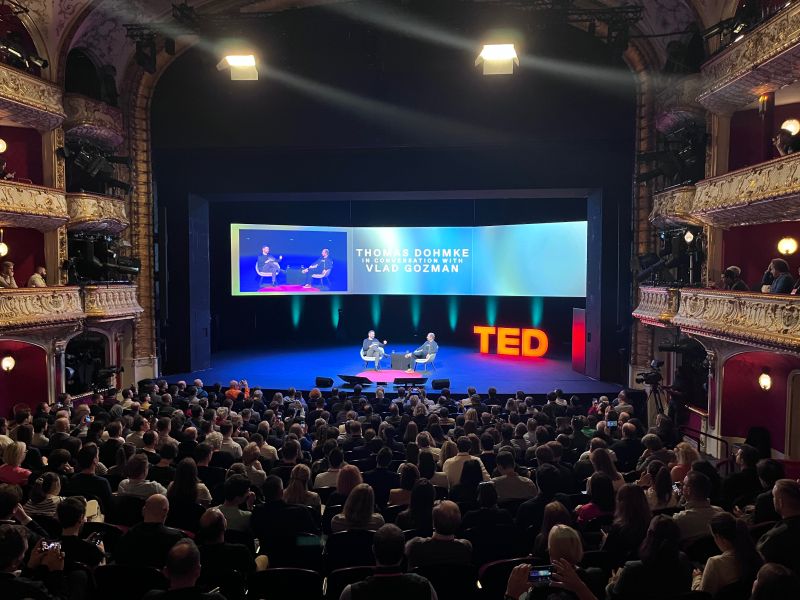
point(716, 164)
point(55, 242)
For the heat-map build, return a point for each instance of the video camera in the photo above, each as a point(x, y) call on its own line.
point(652, 377)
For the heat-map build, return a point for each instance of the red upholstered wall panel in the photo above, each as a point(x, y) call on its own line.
point(746, 134)
point(744, 404)
point(27, 382)
point(752, 247)
point(24, 153)
point(25, 250)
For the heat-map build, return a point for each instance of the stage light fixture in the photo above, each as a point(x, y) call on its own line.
point(8, 363)
point(242, 67)
point(3, 245)
point(764, 380)
point(791, 125)
point(498, 59)
point(787, 246)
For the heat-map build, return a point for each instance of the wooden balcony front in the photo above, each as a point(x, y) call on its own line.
point(765, 60)
point(29, 101)
point(96, 213)
point(34, 206)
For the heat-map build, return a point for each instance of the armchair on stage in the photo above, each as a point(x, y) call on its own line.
point(272, 274)
point(323, 278)
point(369, 359)
point(425, 362)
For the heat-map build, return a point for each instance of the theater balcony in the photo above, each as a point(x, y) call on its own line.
point(657, 305)
point(27, 309)
point(111, 302)
point(767, 321)
point(763, 61)
point(29, 101)
point(92, 120)
point(92, 212)
point(33, 206)
point(673, 207)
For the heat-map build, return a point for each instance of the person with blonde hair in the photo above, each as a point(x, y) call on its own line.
point(253, 469)
point(555, 513)
point(297, 491)
point(11, 471)
point(448, 450)
point(359, 511)
point(686, 455)
point(349, 478)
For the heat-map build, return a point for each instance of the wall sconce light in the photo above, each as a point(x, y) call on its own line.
point(763, 99)
point(7, 363)
point(3, 145)
point(787, 246)
point(791, 125)
point(3, 246)
point(764, 380)
point(688, 237)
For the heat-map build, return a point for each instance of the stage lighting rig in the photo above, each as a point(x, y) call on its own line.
point(92, 168)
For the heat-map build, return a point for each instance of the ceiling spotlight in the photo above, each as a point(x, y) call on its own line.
point(498, 59)
point(787, 246)
point(791, 125)
point(7, 363)
point(242, 66)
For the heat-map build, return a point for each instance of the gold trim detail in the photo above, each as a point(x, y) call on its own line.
point(92, 212)
point(93, 120)
point(764, 61)
point(30, 101)
point(111, 302)
point(674, 207)
point(24, 205)
point(26, 308)
point(657, 306)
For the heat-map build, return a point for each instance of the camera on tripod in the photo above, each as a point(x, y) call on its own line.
point(653, 376)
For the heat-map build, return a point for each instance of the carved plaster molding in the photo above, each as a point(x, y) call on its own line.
point(93, 120)
point(29, 308)
point(29, 101)
point(673, 207)
point(111, 302)
point(657, 306)
point(24, 205)
point(92, 212)
point(768, 321)
point(764, 61)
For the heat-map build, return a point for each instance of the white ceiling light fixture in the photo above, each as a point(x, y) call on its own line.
point(498, 59)
point(791, 125)
point(242, 66)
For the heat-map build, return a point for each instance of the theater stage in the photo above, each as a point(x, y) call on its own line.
point(464, 367)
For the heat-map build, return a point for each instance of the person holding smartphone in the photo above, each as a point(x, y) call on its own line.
point(71, 514)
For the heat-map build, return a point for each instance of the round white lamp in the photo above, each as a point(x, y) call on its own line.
point(7, 363)
point(765, 381)
point(787, 246)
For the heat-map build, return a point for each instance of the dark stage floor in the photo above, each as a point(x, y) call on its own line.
point(464, 367)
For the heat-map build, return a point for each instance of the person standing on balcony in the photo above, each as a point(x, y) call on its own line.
point(37, 279)
point(7, 275)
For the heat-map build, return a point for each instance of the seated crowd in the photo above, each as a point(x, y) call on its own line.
point(193, 492)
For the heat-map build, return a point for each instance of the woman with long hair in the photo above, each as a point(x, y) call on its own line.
point(686, 455)
point(602, 463)
point(44, 495)
point(252, 465)
point(186, 488)
point(412, 454)
point(600, 492)
point(123, 455)
point(419, 514)
point(739, 560)
point(409, 474)
point(555, 513)
point(411, 433)
point(349, 478)
point(657, 485)
point(466, 490)
point(629, 528)
point(427, 469)
point(449, 450)
point(11, 471)
point(359, 511)
point(297, 491)
point(662, 569)
point(33, 458)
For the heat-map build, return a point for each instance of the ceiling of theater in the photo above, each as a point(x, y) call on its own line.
point(98, 25)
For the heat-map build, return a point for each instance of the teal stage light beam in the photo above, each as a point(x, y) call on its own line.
point(491, 310)
point(375, 309)
point(537, 310)
point(336, 304)
point(416, 311)
point(452, 312)
point(297, 310)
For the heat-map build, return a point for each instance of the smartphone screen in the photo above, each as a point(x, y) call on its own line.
point(611, 424)
point(51, 545)
point(540, 576)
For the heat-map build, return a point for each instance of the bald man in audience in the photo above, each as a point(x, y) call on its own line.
point(182, 569)
point(147, 543)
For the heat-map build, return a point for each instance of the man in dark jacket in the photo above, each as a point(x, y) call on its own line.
point(779, 544)
point(381, 478)
point(276, 523)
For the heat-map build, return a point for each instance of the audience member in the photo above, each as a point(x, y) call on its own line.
point(693, 520)
point(147, 543)
point(297, 491)
point(778, 545)
point(136, 484)
point(510, 485)
point(742, 487)
point(442, 548)
point(739, 560)
point(600, 493)
point(418, 516)
point(359, 511)
point(182, 569)
point(71, 515)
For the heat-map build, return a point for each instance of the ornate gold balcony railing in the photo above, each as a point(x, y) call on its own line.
point(765, 320)
point(37, 207)
point(657, 305)
point(673, 207)
point(33, 308)
point(93, 120)
point(766, 193)
point(763, 61)
point(111, 302)
point(29, 101)
point(92, 212)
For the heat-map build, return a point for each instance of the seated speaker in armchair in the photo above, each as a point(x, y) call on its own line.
point(424, 354)
point(372, 349)
point(319, 271)
point(267, 265)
